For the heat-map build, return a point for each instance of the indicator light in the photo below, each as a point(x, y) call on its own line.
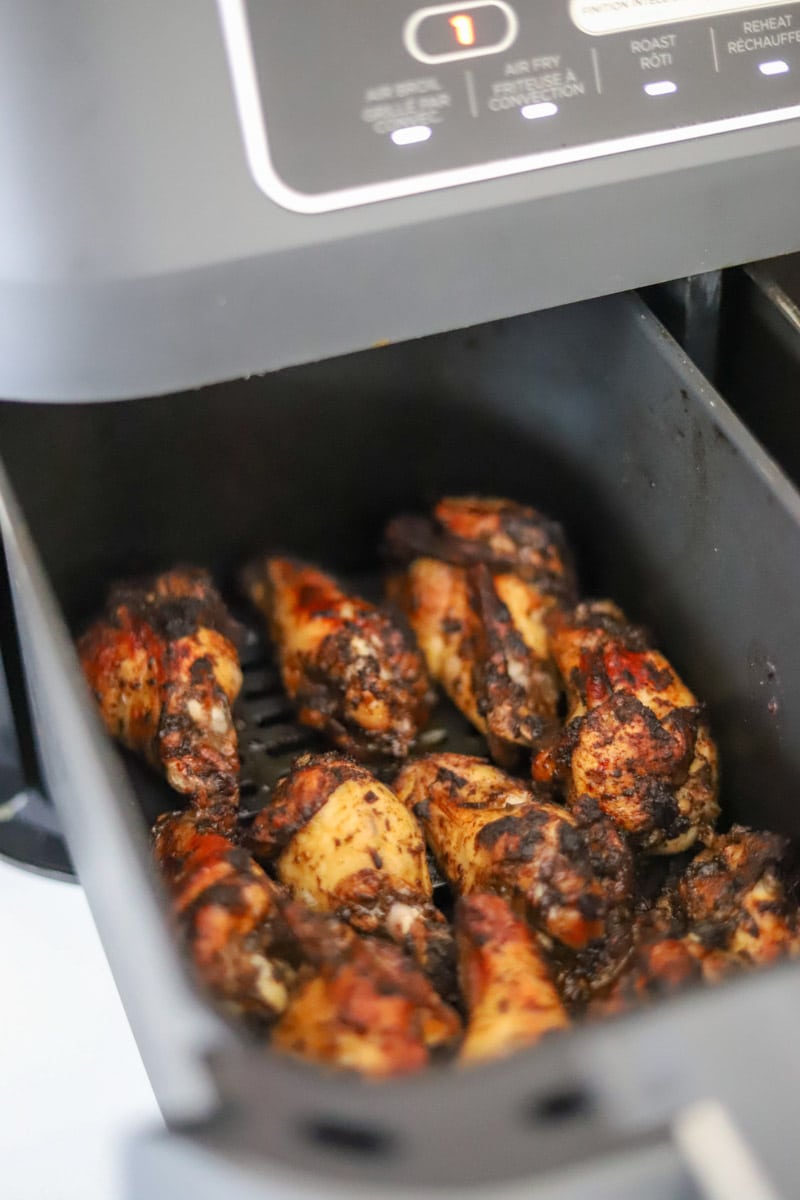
point(664, 87)
point(775, 67)
point(532, 112)
point(411, 134)
point(464, 29)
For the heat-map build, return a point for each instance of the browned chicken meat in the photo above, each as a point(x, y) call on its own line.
point(165, 671)
point(732, 898)
point(637, 741)
point(365, 1008)
point(229, 914)
point(344, 843)
point(477, 582)
point(351, 670)
point(510, 995)
point(660, 966)
point(570, 871)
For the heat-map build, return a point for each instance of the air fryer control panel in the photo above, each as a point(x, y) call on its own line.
point(350, 101)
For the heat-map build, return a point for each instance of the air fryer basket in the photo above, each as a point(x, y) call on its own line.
point(590, 412)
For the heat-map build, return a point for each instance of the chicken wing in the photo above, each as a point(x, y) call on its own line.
point(477, 582)
point(510, 995)
point(636, 740)
point(344, 843)
point(733, 898)
point(165, 671)
point(570, 871)
point(351, 670)
point(366, 1008)
point(229, 913)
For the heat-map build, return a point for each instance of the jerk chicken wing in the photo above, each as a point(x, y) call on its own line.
point(165, 671)
point(511, 998)
point(733, 899)
point(344, 843)
point(636, 739)
point(477, 582)
point(229, 914)
point(570, 871)
point(366, 1007)
point(352, 672)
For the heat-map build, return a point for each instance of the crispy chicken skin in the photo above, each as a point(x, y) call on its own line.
point(477, 581)
point(510, 995)
point(344, 843)
point(229, 914)
point(660, 966)
point(351, 670)
point(504, 535)
point(570, 871)
point(733, 899)
point(636, 739)
point(365, 1008)
point(164, 669)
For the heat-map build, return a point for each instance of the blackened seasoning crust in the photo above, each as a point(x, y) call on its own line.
point(636, 740)
point(352, 671)
point(164, 670)
point(570, 872)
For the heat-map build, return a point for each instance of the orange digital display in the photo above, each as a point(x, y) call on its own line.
point(464, 29)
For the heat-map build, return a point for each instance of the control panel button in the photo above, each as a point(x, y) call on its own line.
point(447, 32)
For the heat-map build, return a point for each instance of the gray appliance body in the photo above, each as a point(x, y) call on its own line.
point(590, 411)
point(138, 254)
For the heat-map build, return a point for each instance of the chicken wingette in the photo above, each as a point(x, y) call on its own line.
point(636, 739)
point(165, 671)
point(365, 1008)
point(733, 898)
point(477, 582)
point(352, 671)
point(510, 995)
point(570, 872)
point(344, 843)
point(229, 915)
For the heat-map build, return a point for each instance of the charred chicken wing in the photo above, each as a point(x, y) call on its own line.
point(510, 995)
point(477, 583)
point(344, 843)
point(365, 1008)
point(352, 672)
point(636, 740)
point(570, 871)
point(229, 914)
point(733, 898)
point(165, 671)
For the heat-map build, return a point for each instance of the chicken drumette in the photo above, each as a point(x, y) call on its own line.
point(570, 872)
point(344, 843)
point(165, 671)
point(510, 995)
point(733, 898)
point(477, 582)
point(351, 670)
point(636, 740)
point(363, 1006)
point(229, 914)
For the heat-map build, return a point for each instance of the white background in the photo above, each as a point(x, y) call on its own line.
point(72, 1086)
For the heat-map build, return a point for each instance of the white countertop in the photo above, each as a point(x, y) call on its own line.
point(72, 1085)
